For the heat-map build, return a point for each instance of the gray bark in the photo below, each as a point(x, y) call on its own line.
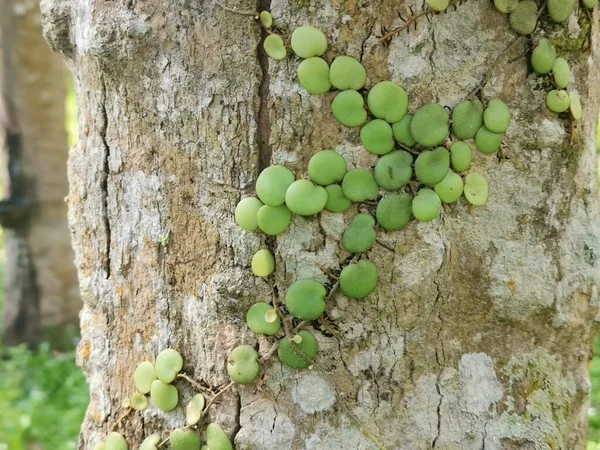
point(41, 289)
point(480, 331)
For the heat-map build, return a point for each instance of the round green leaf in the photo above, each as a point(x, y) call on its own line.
point(429, 125)
point(348, 107)
point(387, 101)
point(360, 236)
point(523, 18)
point(432, 166)
point(274, 47)
point(182, 439)
point(450, 188)
point(193, 411)
point(151, 442)
point(590, 4)
point(575, 105)
point(308, 41)
point(327, 167)
point(245, 213)
point(394, 170)
point(467, 118)
point(543, 56)
point(305, 299)
point(461, 156)
point(360, 185)
point(561, 73)
point(337, 202)
point(138, 401)
point(347, 73)
point(242, 364)
point(560, 10)
point(377, 137)
point(359, 280)
point(266, 19)
point(313, 75)
point(558, 101)
point(401, 130)
point(476, 189)
point(304, 198)
point(263, 263)
point(298, 355)
point(272, 184)
point(168, 364)
point(438, 5)
point(262, 318)
point(496, 116)
point(143, 376)
point(426, 205)
point(394, 211)
point(164, 396)
point(216, 439)
point(116, 441)
point(505, 6)
point(273, 220)
point(488, 142)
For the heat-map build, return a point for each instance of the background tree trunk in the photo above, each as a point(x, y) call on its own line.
point(480, 331)
point(41, 291)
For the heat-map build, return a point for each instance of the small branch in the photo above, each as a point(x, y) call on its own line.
point(235, 11)
point(121, 418)
point(270, 353)
point(410, 21)
point(193, 382)
point(215, 397)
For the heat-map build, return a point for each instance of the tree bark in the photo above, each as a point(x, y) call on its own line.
point(41, 291)
point(481, 329)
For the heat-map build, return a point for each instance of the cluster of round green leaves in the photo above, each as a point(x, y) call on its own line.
point(155, 379)
point(524, 14)
point(545, 62)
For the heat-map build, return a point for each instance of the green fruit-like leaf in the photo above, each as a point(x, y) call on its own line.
point(496, 116)
point(168, 364)
point(359, 280)
point(298, 355)
point(263, 263)
point(143, 376)
point(426, 205)
point(337, 202)
point(561, 73)
point(272, 184)
point(266, 19)
point(432, 166)
point(476, 189)
point(274, 47)
point(360, 185)
point(313, 75)
point(242, 364)
point(543, 56)
point(164, 396)
point(138, 401)
point(461, 156)
point(505, 6)
point(467, 118)
point(377, 137)
point(308, 41)
point(185, 439)
point(347, 73)
point(193, 411)
point(327, 167)
point(438, 5)
point(387, 101)
point(401, 130)
point(575, 105)
point(429, 125)
point(115, 441)
point(558, 101)
point(360, 236)
point(394, 211)
point(245, 213)
point(262, 318)
point(450, 188)
point(273, 220)
point(488, 142)
point(305, 299)
point(151, 442)
point(523, 18)
point(560, 10)
point(304, 198)
point(394, 171)
point(348, 107)
point(216, 439)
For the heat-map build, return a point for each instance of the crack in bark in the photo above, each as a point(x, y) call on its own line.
point(438, 410)
point(104, 180)
point(264, 121)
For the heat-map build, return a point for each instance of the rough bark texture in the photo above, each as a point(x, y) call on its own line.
point(41, 280)
point(480, 331)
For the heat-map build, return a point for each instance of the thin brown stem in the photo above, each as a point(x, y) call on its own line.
point(396, 31)
point(235, 11)
point(214, 398)
point(193, 382)
point(270, 353)
point(121, 418)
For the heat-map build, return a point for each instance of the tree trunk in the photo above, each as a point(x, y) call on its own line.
point(41, 292)
point(481, 328)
